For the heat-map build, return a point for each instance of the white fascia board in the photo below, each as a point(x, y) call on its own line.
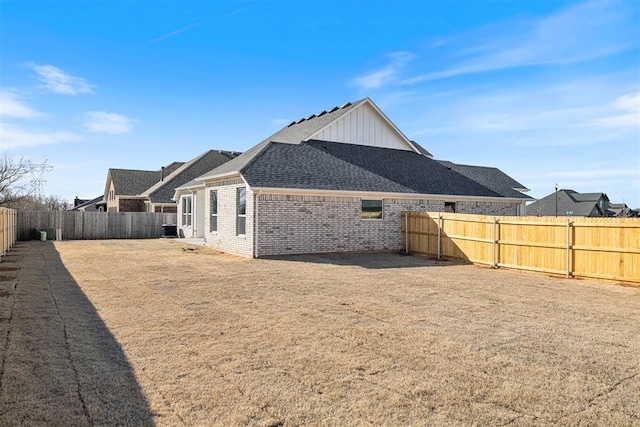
point(382, 195)
point(206, 179)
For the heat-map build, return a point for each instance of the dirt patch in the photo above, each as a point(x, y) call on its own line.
point(6, 278)
point(352, 339)
point(2, 268)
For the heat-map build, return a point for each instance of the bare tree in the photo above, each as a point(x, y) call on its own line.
point(39, 203)
point(20, 179)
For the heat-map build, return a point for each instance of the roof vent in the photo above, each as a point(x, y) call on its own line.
point(301, 120)
point(291, 124)
point(345, 105)
point(322, 113)
point(311, 117)
point(333, 109)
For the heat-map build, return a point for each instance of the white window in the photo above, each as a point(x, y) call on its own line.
point(241, 209)
point(371, 209)
point(213, 208)
point(186, 211)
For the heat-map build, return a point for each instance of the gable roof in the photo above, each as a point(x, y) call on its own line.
point(492, 178)
point(88, 204)
point(580, 204)
point(304, 129)
point(163, 191)
point(325, 165)
point(131, 182)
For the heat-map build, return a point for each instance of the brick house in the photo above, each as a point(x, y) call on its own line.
point(335, 181)
point(128, 190)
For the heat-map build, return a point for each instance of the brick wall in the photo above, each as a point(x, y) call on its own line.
point(314, 224)
point(225, 239)
point(131, 205)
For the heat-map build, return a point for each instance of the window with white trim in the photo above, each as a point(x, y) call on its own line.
point(213, 211)
point(186, 211)
point(241, 211)
point(372, 209)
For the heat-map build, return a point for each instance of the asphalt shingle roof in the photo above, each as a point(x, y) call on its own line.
point(349, 167)
point(294, 133)
point(131, 182)
point(567, 201)
point(163, 191)
point(492, 178)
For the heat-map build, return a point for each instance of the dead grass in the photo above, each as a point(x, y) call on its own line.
point(382, 339)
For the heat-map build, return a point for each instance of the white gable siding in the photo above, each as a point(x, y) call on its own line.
point(363, 126)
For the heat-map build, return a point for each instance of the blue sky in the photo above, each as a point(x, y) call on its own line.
point(547, 91)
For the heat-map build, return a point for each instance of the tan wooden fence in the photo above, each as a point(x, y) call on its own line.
point(78, 225)
point(602, 248)
point(8, 232)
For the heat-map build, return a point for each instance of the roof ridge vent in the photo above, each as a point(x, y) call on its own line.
point(301, 120)
point(333, 109)
point(291, 124)
point(321, 113)
point(345, 105)
point(311, 117)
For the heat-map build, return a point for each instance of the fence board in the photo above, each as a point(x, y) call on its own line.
point(603, 248)
point(77, 225)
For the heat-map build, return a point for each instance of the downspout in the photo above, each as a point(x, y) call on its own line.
point(255, 223)
point(194, 219)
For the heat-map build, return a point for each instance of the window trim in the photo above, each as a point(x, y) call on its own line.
point(362, 211)
point(213, 225)
point(187, 214)
point(241, 218)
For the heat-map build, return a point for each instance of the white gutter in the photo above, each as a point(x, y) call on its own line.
point(387, 195)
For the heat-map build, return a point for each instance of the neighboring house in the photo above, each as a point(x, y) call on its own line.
point(570, 203)
point(621, 210)
point(332, 182)
point(152, 191)
point(94, 205)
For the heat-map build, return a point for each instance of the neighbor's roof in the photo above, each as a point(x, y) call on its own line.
point(348, 167)
point(492, 178)
point(89, 203)
point(131, 182)
point(163, 191)
point(580, 204)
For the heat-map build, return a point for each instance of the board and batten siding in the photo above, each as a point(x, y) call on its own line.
point(363, 126)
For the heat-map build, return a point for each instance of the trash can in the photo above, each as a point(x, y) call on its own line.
point(43, 236)
point(169, 230)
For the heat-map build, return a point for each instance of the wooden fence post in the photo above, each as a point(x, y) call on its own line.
point(568, 247)
point(406, 232)
point(439, 233)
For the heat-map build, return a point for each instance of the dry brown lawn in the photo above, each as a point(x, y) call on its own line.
point(183, 335)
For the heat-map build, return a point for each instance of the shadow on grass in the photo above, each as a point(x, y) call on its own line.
point(369, 260)
point(61, 364)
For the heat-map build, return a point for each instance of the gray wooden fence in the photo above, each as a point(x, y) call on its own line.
point(77, 225)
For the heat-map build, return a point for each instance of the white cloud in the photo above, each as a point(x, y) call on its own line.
point(176, 32)
point(12, 136)
point(386, 74)
point(577, 33)
point(56, 80)
point(12, 105)
point(104, 122)
point(629, 107)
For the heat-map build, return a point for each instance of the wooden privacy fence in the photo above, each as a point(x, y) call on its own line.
point(78, 225)
point(7, 229)
point(602, 248)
